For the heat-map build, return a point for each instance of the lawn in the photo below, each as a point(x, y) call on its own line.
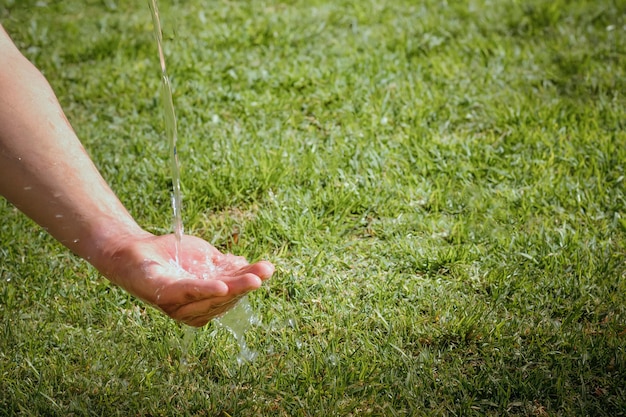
point(440, 184)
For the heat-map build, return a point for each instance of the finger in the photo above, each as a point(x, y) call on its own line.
point(197, 321)
point(262, 269)
point(189, 290)
point(195, 289)
point(243, 284)
point(201, 312)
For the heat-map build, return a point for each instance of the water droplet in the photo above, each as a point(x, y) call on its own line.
point(332, 359)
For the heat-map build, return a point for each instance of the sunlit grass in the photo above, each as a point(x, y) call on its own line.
point(440, 184)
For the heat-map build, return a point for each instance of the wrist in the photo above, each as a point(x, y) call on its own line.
point(107, 240)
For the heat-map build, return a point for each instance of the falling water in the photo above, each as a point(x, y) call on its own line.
point(240, 317)
point(170, 130)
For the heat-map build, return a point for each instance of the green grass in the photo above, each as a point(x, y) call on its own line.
point(440, 184)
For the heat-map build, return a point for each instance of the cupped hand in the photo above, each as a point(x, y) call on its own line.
point(202, 285)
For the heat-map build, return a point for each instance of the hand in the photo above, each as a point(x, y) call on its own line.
point(203, 285)
point(47, 174)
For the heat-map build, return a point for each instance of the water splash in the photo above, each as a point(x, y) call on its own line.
point(170, 129)
point(237, 321)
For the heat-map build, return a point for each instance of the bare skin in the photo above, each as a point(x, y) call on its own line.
point(47, 174)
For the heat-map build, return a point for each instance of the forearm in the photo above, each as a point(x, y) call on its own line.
point(45, 171)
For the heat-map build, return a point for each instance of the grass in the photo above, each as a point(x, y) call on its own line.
point(440, 184)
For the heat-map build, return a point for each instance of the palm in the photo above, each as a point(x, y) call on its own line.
point(204, 283)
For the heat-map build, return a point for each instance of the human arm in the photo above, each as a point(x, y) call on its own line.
point(47, 174)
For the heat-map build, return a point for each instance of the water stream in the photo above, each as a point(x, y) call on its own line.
point(238, 319)
point(170, 130)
